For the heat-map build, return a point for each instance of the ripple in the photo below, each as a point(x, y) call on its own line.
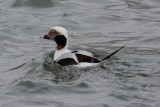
point(33, 3)
point(137, 5)
point(139, 105)
point(61, 74)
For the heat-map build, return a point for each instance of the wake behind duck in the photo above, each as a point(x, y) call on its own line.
point(63, 56)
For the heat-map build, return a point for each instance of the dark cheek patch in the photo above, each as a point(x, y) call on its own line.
point(61, 40)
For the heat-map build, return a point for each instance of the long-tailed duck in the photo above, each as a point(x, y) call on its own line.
point(63, 56)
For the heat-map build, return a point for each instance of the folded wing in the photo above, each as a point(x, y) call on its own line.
point(75, 57)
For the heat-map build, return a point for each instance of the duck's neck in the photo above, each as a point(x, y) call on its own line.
point(60, 51)
point(58, 47)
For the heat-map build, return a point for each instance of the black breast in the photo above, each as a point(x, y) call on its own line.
point(67, 61)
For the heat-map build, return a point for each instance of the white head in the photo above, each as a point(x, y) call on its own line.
point(59, 35)
point(60, 30)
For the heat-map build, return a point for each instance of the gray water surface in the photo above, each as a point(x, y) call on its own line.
point(131, 78)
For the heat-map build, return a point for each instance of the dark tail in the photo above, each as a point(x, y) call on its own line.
point(107, 57)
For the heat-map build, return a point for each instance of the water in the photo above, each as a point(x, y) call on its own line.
point(129, 79)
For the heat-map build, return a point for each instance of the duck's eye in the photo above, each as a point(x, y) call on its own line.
point(52, 32)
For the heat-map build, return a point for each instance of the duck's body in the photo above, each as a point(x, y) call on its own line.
point(77, 58)
point(63, 56)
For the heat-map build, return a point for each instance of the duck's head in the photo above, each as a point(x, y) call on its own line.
point(59, 35)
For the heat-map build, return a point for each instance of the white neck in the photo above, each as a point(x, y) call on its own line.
point(58, 53)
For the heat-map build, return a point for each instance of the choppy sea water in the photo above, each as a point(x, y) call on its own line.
point(131, 78)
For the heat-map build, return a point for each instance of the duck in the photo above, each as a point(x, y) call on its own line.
point(65, 57)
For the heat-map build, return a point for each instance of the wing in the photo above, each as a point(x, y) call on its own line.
point(82, 52)
point(85, 58)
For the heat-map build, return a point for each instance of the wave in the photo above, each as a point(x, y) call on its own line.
point(34, 3)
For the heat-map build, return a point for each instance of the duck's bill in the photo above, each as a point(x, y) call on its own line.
point(45, 37)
